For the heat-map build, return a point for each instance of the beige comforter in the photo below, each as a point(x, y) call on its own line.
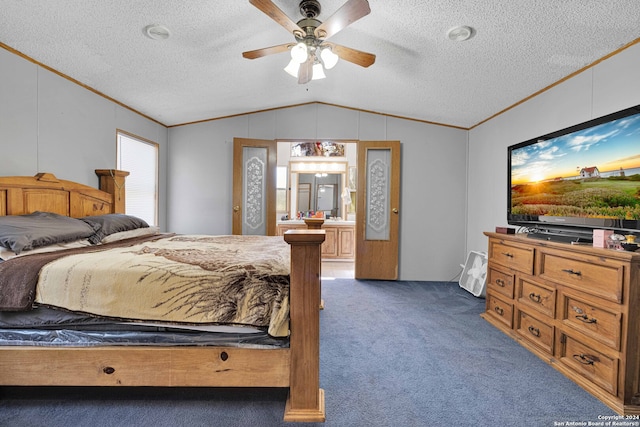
point(194, 279)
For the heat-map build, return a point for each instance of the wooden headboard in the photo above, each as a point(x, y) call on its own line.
point(44, 192)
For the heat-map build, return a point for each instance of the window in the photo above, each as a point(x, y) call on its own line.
point(139, 157)
point(281, 190)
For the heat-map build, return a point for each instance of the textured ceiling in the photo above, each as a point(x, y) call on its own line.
point(520, 47)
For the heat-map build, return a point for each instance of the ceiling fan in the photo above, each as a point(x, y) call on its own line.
point(311, 51)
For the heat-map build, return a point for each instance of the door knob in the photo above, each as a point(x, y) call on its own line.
point(236, 208)
point(394, 210)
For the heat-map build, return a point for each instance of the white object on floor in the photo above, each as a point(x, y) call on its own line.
point(474, 274)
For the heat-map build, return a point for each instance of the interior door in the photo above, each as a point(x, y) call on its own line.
point(377, 210)
point(254, 187)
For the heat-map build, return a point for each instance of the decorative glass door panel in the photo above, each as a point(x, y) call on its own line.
point(254, 218)
point(378, 209)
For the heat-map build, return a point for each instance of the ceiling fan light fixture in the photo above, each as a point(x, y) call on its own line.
point(292, 68)
point(318, 72)
point(329, 58)
point(299, 53)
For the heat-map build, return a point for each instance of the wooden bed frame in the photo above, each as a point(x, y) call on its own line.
point(296, 367)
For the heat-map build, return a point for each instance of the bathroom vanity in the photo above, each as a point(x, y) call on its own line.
point(339, 242)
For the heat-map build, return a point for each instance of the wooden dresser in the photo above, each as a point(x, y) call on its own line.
point(576, 307)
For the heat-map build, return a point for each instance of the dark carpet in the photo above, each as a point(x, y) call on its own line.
point(392, 354)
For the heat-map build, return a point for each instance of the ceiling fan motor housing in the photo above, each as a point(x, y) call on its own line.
point(310, 8)
point(308, 36)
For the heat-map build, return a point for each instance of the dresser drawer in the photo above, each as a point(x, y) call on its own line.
point(500, 310)
point(500, 282)
point(596, 276)
point(535, 331)
point(596, 322)
point(539, 297)
point(593, 365)
point(517, 257)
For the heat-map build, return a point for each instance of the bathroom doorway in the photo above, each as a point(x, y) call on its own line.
point(318, 177)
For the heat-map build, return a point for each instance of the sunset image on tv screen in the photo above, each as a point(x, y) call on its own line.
point(593, 173)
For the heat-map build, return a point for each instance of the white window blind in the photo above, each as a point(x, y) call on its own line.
point(140, 159)
point(281, 190)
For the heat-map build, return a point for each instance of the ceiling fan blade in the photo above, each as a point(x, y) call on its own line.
point(358, 57)
point(259, 53)
point(305, 72)
point(350, 12)
point(270, 9)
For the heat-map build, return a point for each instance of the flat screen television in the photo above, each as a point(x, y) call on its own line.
point(563, 185)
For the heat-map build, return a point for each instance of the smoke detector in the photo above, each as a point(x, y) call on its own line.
point(460, 33)
point(157, 32)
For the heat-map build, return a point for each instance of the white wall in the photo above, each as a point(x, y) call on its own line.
point(610, 86)
point(433, 187)
point(50, 124)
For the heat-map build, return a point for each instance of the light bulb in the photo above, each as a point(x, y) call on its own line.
point(318, 72)
point(292, 68)
point(329, 58)
point(299, 53)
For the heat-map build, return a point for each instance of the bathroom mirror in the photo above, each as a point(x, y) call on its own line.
point(319, 192)
point(317, 186)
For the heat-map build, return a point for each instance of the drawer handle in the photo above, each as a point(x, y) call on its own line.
point(585, 359)
point(535, 298)
point(498, 310)
point(500, 283)
point(571, 271)
point(534, 331)
point(584, 318)
point(507, 254)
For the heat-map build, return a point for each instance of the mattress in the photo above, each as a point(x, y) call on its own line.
point(50, 327)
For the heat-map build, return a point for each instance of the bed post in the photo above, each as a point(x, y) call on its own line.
point(112, 182)
point(306, 398)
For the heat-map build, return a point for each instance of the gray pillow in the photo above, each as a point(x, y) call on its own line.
point(112, 223)
point(24, 232)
